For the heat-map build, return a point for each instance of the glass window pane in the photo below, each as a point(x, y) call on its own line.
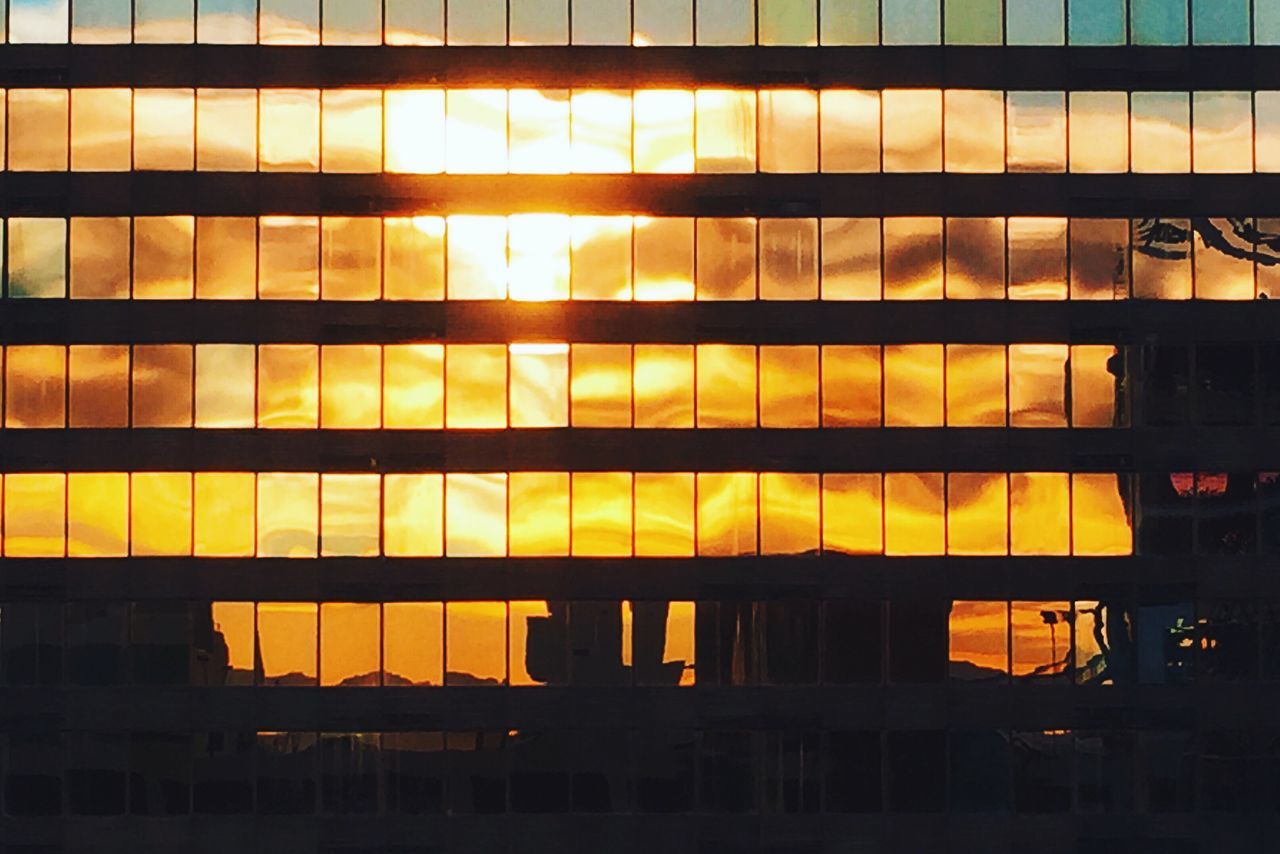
point(1037, 385)
point(1218, 274)
point(413, 386)
point(849, 22)
point(914, 514)
point(476, 131)
point(414, 22)
point(163, 377)
point(289, 130)
point(412, 643)
point(289, 257)
point(1099, 516)
point(539, 385)
point(225, 385)
point(100, 257)
point(1267, 130)
point(350, 515)
point(289, 22)
point(850, 130)
point(413, 250)
point(601, 385)
point(601, 21)
point(1096, 22)
point(538, 124)
point(662, 22)
point(851, 386)
point(1098, 125)
point(477, 257)
point(163, 257)
point(101, 130)
point(1039, 513)
point(973, 22)
point(1041, 635)
point(725, 22)
point(1099, 258)
point(35, 386)
point(37, 258)
point(160, 517)
point(538, 257)
point(787, 22)
point(99, 385)
point(1223, 131)
point(414, 515)
point(1158, 22)
point(788, 130)
point(601, 507)
point(226, 258)
point(1038, 258)
point(475, 386)
point(1037, 131)
point(726, 514)
point(352, 22)
point(226, 130)
point(912, 130)
point(851, 258)
point(664, 258)
point(788, 386)
point(976, 385)
point(476, 23)
point(911, 21)
point(163, 21)
point(1161, 131)
point(38, 21)
point(476, 515)
point(415, 130)
point(852, 513)
point(663, 130)
point(913, 258)
point(350, 258)
point(975, 258)
point(288, 386)
point(351, 132)
point(164, 129)
point(1266, 22)
point(977, 514)
point(725, 135)
point(227, 21)
point(349, 641)
point(538, 22)
point(979, 633)
point(1034, 22)
point(601, 257)
point(1097, 389)
point(287, 641)
point(288, 507)
point(1220, 21)
point(726, 376)
point(913, 383)
point(664, 513)
point(663, 385)
point(726, 258)
point(476, 653)
point(38, 129)
point(539, 514)
point(789, 513)
point(1161, 259)
point(601, 131)
point(35, 515)
point(224, 514)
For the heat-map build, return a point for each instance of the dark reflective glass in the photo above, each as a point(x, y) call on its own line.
point(96, 633)
point(540, 771)
point(413, 772)
point(664, 763)
point(917, 770)
point(1166, 643)
point(918, 640)
point(477, 763)
point(601, 769)
point(33, 775)
point(852, 772)
point(349, 773)
point(1167, 503)
point(1225, 384)
point(790, 772)
point(979, 771)
point(1233, 772)
point(727, 772)
point(1042, 771)
point(31, 641)
point(160, 643)
point(1105, 771)
point(1229, 640)
point(222, 773)
point(1226, 513)
point(853, 640)
point(96, 768)
point(1168, 768)
point(595, 644)
point(1166, 378)
point(285, 763)
point(160, 774)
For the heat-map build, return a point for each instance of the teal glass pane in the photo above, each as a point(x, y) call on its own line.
point(1266, 21)
point(912, 21)
point(1158, 22)
point(164, 21)
point(1220, 21)
point(227, 21)
point(849, 22)
point(37, 256)
point(1034, 22)
point(1095, 22)
point(973, 22)
point(102, 22)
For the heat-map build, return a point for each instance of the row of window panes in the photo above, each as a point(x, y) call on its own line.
point(583, 514)
point(612, 258)
point(495, 386)
point(798, 770)
point(777, 642)
point(559, 131)
point(645, 22)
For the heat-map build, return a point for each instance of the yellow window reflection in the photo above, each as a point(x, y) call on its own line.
point(851, 258)
point(601, 130)
point(413, 386)
point(476, 131)
point(97, 515)
point(1160, 124)
point(475, 515)
point(1094, 388)
point(349, 644)
point(725, 133)
point(1222, 137)
point(35, 386)
point(601, 514)
point(351, 258)
point(539, 515)
point(913, 258)
point(351, 130)
point(37, 263)
point(1040, 513)
point(726, 375)
point(538, 257)
point(788, 130)
point(38, 128)
point(163, 257)
point(1038, 385)
point(163, 394)
point(289, 22)
point(539, 385)
point(852, 513)
point(789, 259)
point(850, 140)
point(664, 259)
point(913, 383)
point(602, 257)
point(976, 385)
point(1219, 275)
point(979, 640)
point(415, 131)
point(1100, 523)
point(977, 514)
point(234, 623)
point(1037, 131)
point(413, 520)
point(664, 505)
point(789, 513)
point(99, 395)
point(164, 122)
point(726, 514)
point(664, 130)
point(1098, 124)
point(788, 386)
point(914, 514)
point(1041, 634)
point(224, 514)
point(601, 385)
point(225, 385)
point(912, 130)
point(1099, 255)
point(35, 515)
point(851, 386)
point(477, 257)
point(538, 123)
point(476, 653)
point(350, 391)
point(1038, 258)
point(288, 507)
point(288, 386)
point(226, 258)
point(1266, 136)
point(726, 258)
point(974, 123)
point(664, 385)
point(476, 386)
point(534, 666)
point(413, 255)
point(160, 520)
point(289, 130)
point(101, 130)
point(289, 257)
point(287, 641)
point(975, 263)
point(350, 515)
point(1158, 274)
point(654, 666)
point(412, 643)
point(227, 130)
point(100, 257)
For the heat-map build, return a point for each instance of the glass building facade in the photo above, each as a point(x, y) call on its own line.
point(707, 426)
